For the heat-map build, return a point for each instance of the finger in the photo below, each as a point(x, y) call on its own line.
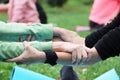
point(79, 56)
point(26, 45)
point(32, 38)
point(84, 57)
point(29, 48)
point(74, 56)
point(20, 39)
point(28, 37)
point(16, 59)
point(89, 55)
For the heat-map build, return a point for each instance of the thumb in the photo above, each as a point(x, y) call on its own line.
point(16, 59)
point(87, 49)
point(26, 45)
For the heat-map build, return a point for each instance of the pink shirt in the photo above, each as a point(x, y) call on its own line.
point(23, 11)
point(104, 10)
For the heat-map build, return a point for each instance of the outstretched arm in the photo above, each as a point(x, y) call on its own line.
point(67, 35)
point(32, 55)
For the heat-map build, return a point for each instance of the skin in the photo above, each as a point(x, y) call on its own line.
point(70, 52)
point(4, 7)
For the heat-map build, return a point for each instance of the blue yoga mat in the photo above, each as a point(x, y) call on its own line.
point(109, 75)
point(19, 73)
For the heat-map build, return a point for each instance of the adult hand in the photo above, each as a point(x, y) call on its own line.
point(85, 56)
point(30, 55)
point(28, 37)
point(67, 35)
point(80, 55)
point(64, 46)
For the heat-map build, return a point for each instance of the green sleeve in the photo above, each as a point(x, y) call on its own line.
point(13, 31)
point(12, 49)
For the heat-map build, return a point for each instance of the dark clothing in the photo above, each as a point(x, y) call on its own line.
point(41, 12)
point(94, 25)
point(56, 3)
point(109, 45)
point(106, 40)
point(67, 73)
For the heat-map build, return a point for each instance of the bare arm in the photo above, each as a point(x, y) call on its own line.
point(68, 35)
point(80, 54)
point(32, 55)
point(4, 7)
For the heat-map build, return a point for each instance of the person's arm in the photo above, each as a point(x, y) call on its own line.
point(32, 55)
point(13, 49)
point(73, 37)
point(94, 37)
point(13, 31)
point(4, 7)
point(109, 45)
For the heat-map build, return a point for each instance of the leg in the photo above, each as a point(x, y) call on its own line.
point(67, 73)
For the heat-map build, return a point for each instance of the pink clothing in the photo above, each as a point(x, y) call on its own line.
point(23, 11)
point(104, 10)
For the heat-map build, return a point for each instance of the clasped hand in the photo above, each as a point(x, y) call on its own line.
point(29, 56)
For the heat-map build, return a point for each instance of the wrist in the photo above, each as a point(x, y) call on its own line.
point(51, 57)
point(94, 50)
point(57, 46)
point(96, 54)
point(42, 56)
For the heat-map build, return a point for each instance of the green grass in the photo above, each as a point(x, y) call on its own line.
point(71, 15)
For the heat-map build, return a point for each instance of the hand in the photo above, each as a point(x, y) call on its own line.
point(80, 55)
point(85, 56)
point(28, 38)
point(67, 35)
point(30, 55)
point(93, 56)
point(64, 46)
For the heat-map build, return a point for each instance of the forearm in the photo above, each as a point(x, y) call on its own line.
point(109, 45)
point(13, 31)
point(93, 57)
point(13, 49)
point(66, 52)
point(37, 54)
point(64, 46)
point(94, 37)
point(72, 37)
point(65, 58)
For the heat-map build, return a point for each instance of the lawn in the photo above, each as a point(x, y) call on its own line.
point(72, 14)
